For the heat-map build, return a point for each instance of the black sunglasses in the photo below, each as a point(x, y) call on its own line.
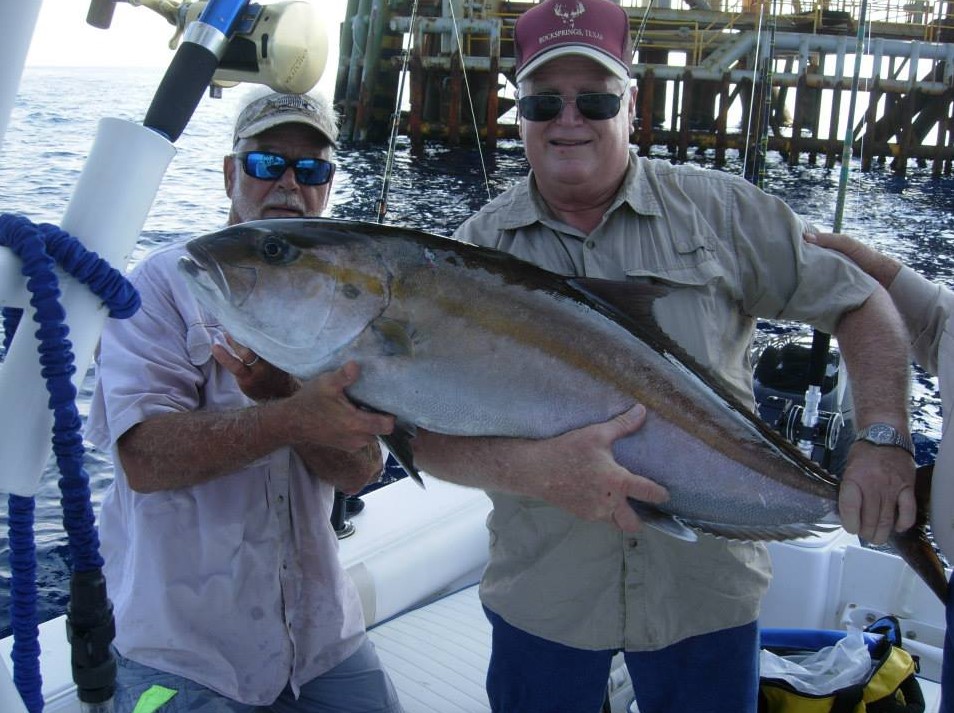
point(596, 106)
point(267, 166)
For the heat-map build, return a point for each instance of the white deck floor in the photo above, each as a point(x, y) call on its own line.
point(437, 657)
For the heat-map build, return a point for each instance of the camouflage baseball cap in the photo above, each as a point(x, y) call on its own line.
point(275, 109)
point(598, 29)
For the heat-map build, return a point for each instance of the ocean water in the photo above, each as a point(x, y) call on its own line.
point(54, 123)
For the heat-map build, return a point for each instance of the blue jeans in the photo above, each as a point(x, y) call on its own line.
point(947, 665)
point(715, 673)
point(357, 685)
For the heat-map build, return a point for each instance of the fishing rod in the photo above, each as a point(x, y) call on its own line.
point(470, 99)
point(642, 25)
point(382, 207)
point(821, 341)
point(756, 174)
point(806, 425)
point(748, 121)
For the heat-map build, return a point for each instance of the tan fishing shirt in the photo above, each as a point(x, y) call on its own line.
point(741, 252)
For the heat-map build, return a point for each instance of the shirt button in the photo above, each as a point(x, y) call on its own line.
point(590, 244)
point(281, 498)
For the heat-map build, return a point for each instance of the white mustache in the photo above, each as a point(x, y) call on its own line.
point(288, 201)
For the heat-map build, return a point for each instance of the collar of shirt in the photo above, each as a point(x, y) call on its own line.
point(524, 205)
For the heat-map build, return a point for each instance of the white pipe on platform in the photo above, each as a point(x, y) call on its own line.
point(17, 20)
point(106, 212)
point(10, 700)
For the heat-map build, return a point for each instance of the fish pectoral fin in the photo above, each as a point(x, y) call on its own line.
point(394, 337)
point(664, 522)
point(399, 444)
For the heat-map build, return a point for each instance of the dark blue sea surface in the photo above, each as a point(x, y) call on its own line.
point(54, 123)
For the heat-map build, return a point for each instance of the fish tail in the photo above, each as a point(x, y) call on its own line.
point(914, 544)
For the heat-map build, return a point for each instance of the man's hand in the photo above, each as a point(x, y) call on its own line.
point(585, 479)
point(877, 492)
point(257, 378)
point(575, 471)
point(881, 267)
point(320, 413)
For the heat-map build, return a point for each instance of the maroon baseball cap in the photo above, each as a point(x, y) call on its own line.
point(598, 29)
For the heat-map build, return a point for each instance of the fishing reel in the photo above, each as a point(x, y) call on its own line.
point(780, 382)
point(824, 436)
point(283, 44)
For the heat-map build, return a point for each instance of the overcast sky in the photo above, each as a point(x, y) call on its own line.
point(137, 37)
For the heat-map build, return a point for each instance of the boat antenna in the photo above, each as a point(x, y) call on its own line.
point(382, 207)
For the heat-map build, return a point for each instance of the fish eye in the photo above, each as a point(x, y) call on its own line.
point(277, 251)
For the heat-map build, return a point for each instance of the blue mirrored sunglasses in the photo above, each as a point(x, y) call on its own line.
point(596, 106)
point(267, 166)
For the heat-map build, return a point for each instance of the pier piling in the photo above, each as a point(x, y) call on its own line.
point(696, 69)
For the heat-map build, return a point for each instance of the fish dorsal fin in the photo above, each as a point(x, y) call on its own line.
point(631, 305)
point(633, 299)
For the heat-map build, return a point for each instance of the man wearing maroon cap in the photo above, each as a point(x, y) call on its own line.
point(573, 578)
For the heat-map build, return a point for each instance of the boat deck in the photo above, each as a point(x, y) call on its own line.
point(437, 657)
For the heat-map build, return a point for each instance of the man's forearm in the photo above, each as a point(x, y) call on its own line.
point(348, 472)
point(488, 463)
point(178, 450)
point(575, 471)
point(873, 342)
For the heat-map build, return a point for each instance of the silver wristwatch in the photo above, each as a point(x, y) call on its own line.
point(883, 434)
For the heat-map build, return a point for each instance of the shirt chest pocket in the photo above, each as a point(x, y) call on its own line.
point(220, 390)
point(698, 310)
point(685, 261)
point(200, 336)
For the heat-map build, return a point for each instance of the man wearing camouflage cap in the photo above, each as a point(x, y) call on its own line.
point(220, 558)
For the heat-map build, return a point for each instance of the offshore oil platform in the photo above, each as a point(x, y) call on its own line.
point(441, 69)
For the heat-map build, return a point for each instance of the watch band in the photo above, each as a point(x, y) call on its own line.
point(884, 434)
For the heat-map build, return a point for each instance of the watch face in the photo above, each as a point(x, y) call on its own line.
point(881, 433)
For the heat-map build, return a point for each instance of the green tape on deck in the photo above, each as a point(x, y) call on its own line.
point(153, 698)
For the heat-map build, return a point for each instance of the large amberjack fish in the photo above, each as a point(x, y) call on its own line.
point(469, 341)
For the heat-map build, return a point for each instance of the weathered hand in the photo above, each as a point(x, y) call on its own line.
point(879, 266)
point(877, 492)
point(257, 378)
point(320, 413)
point(580, 474)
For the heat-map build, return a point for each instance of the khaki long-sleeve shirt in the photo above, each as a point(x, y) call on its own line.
point(740, 255)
